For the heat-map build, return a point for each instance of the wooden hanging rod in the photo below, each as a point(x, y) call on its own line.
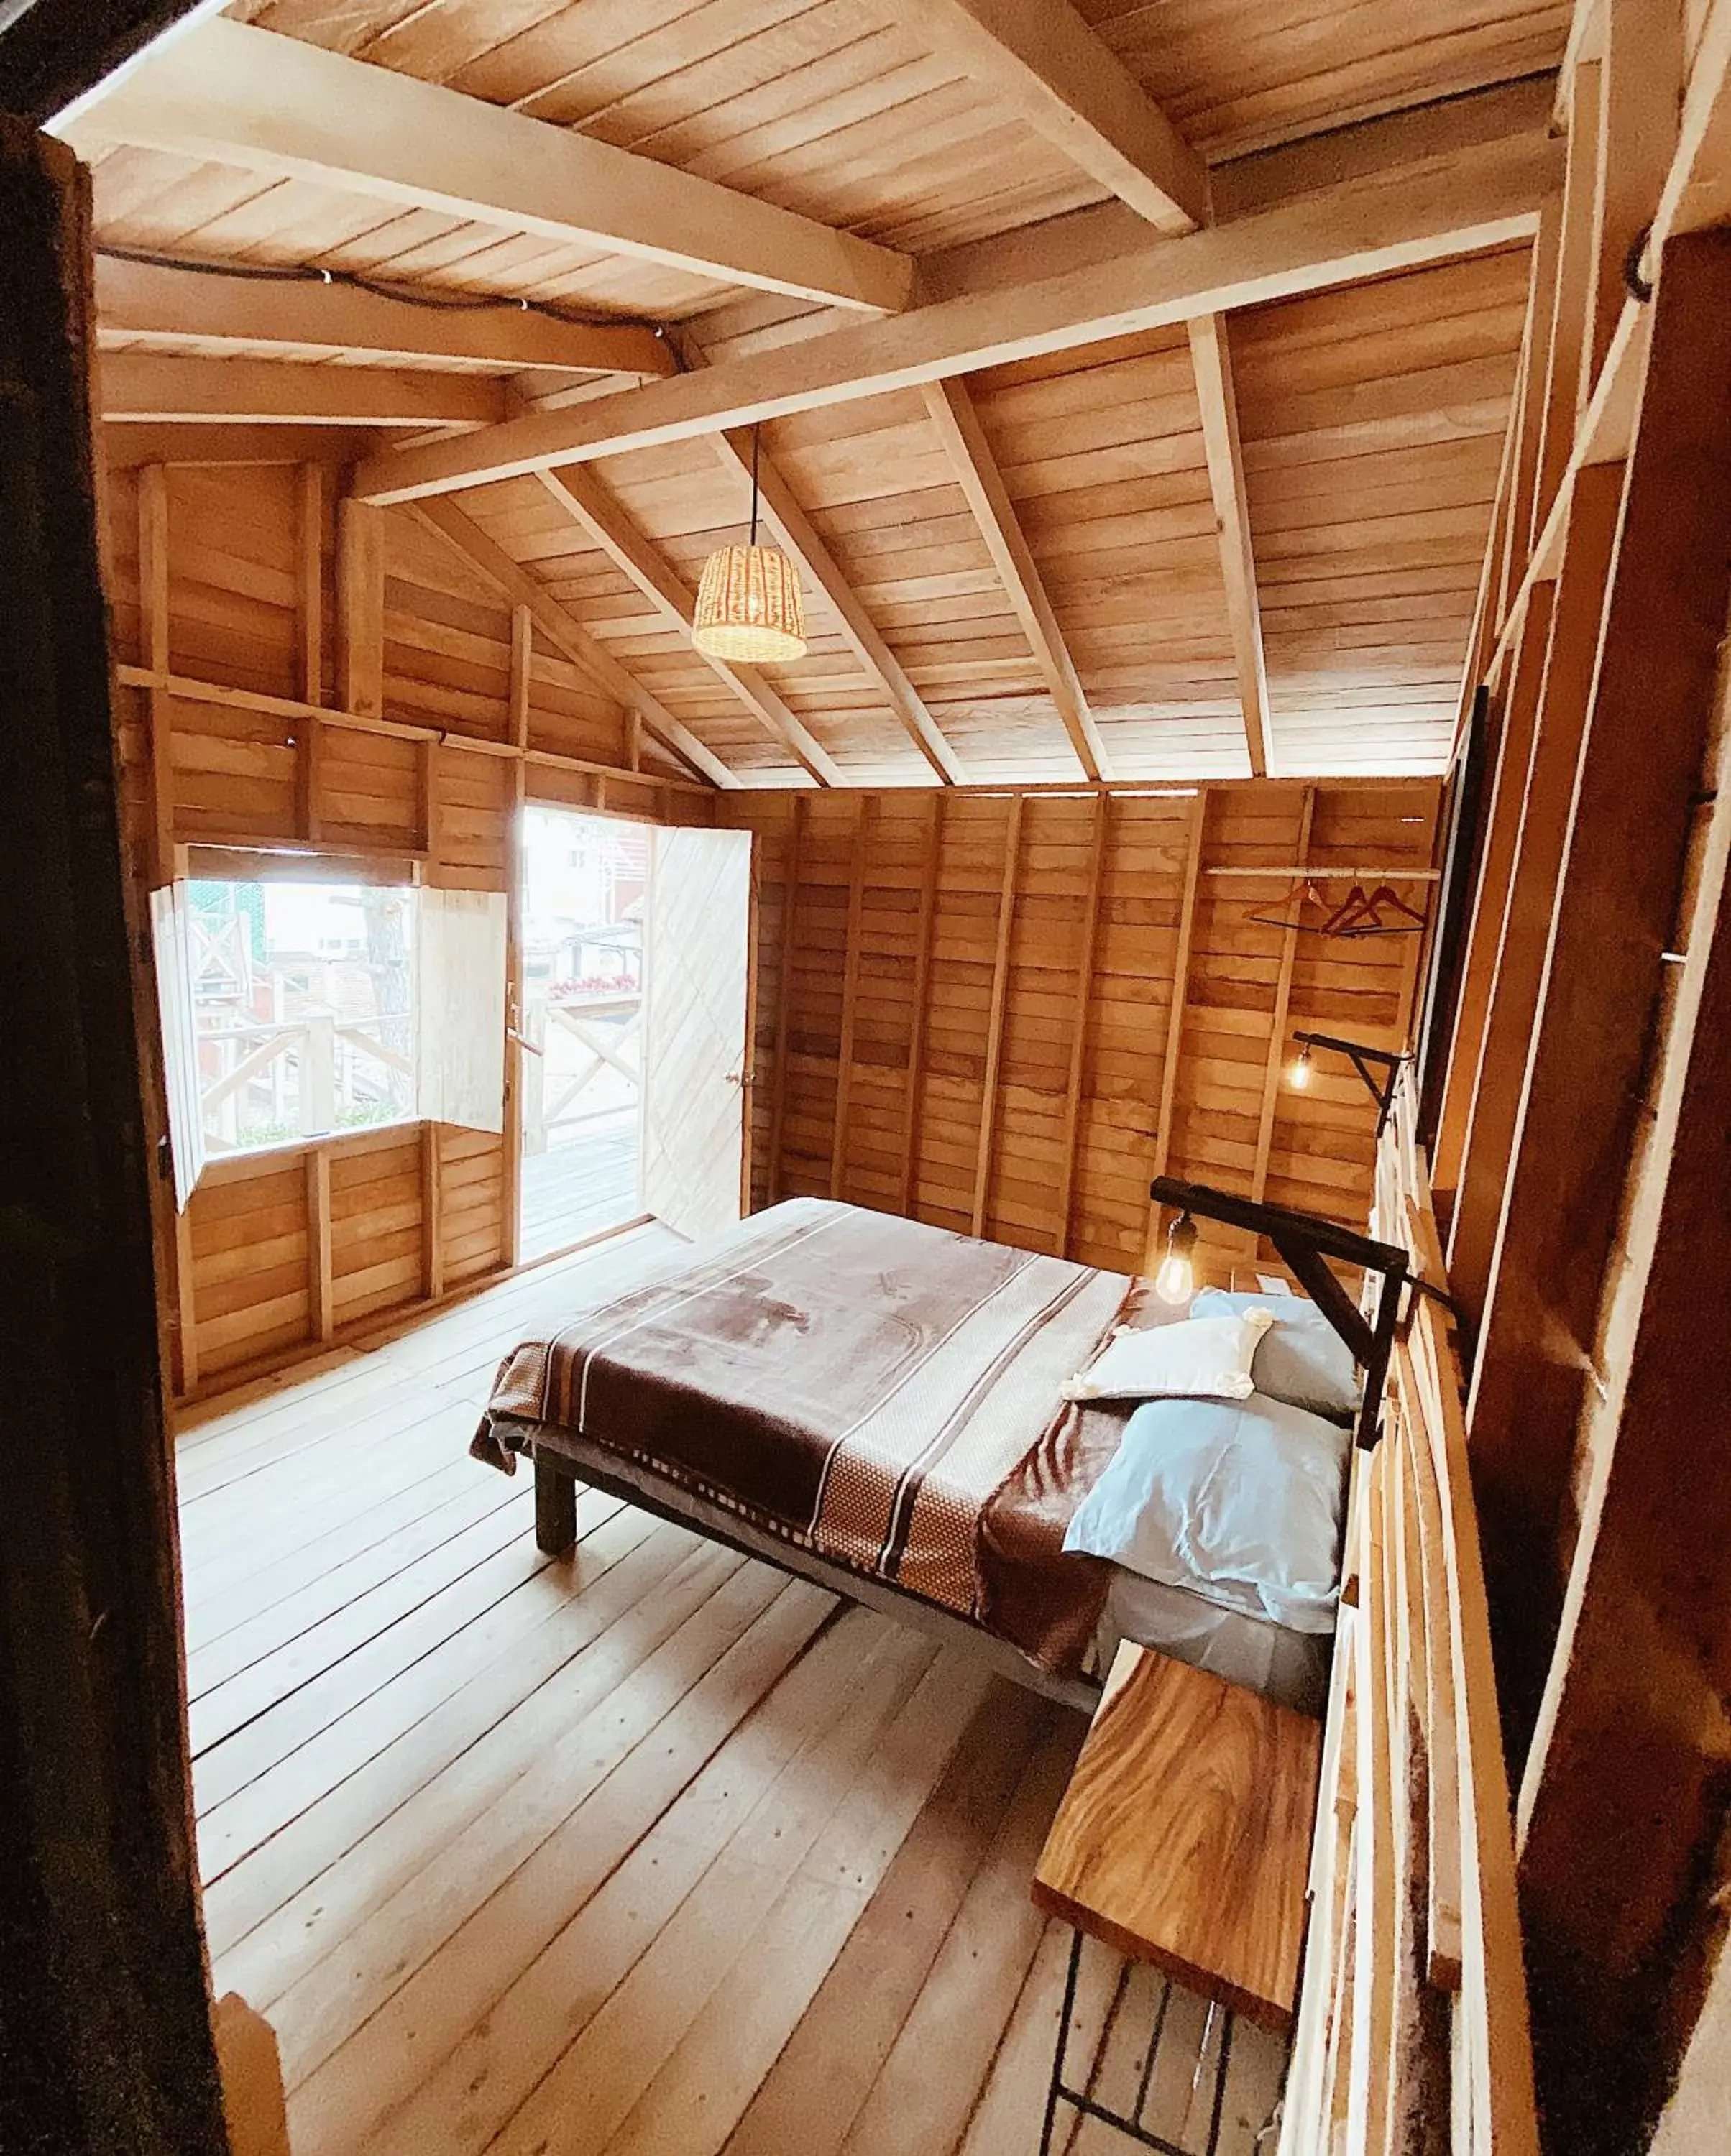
point(1311, 873)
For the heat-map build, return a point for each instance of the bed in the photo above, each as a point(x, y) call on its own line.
point(876, 1404)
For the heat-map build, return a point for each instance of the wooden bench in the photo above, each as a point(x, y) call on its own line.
point(1183, 1840)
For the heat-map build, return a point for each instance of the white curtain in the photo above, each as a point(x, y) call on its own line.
point(172, 944)
point(460, 1008)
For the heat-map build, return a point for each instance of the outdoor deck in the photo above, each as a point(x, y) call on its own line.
point(576, 1188)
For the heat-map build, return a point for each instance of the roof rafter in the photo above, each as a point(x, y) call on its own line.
point(1394, 218)
point(964, 440)
point(1212, 363)
point(521, 588)
point(151, 387)
point(142, 300)
point(1041, 58)
point(795, 530)
point(601, 516)
point(242, 96)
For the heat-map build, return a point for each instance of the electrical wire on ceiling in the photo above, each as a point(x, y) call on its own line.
point(413, 296)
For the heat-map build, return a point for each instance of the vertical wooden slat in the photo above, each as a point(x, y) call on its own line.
point(309, 584)
point(785, 995)
point(1640, 110)
point(863, 815)
point(930, 863)
point(522, 649)
point(310, 638)
point(1496, 860)
point(1172, 1051)
point(1081, 1009)
point(185, 1300)
point(1277, 1023)
point(1521, 933)
point(153, 602)
point(430, 810)
point(319, 1291)
point(994, 1018)
point(522, 636)
point(1526, 442)
point(360, 606)
point(1574, 271)
point(432, 1214)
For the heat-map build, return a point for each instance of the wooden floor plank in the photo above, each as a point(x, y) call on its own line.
point(813, 2093)
point(629, 1556)
point(716, 1601)
point(578, 2107)
point(243, 1645)
point(965, 2004)
point(690, 2106)
point(453, 2057)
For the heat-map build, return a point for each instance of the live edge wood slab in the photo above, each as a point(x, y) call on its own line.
point(1183, 1838)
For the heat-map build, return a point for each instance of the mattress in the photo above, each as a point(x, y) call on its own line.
point(1291, 1668)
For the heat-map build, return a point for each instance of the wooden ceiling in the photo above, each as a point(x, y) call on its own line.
point(1134, 378)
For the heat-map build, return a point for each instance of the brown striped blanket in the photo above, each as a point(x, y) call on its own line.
point(882, 1392)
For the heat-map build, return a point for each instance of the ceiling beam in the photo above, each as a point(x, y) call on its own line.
point(516, 583)
point(1213, 366)
point(148, 386)
point(126, 446)
point(970, 454)
point(1040, 59)
point(250, 98)
point(1487, 196)
point(140, 301)
point(601, 517)
point(794, 529)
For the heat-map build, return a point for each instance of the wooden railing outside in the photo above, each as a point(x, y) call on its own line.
point(1413, 2028)
point(325, 1052)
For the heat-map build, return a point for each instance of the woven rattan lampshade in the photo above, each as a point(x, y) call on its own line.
point(749, 606)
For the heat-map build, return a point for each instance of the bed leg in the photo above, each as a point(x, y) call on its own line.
point(555, 1507)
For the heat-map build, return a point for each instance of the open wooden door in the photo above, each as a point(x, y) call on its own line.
point(698, 964)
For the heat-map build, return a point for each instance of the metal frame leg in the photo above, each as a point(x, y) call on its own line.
point(1056, 2088)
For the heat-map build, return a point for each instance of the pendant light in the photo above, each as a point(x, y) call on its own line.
point(1176, 1280)
point(749, 606)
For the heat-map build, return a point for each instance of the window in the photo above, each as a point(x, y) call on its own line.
point(301, 1002)
point(303, 1005)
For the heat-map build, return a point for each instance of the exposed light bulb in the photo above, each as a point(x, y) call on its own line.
point(1175, 1281)
point(1299, 1075)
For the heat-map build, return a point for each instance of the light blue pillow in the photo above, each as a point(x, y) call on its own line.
point(1238, 1500)
point(1301, 1359)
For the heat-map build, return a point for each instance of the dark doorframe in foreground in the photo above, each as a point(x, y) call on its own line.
point(105, 2041)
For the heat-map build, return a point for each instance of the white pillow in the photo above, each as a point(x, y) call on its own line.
point(1239, 1502)
point(1303, 1361)
point(1207, 1359)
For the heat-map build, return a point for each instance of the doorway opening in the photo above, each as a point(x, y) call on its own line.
point(585, 895)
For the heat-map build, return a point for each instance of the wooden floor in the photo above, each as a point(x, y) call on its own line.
point(575, 1190)
point(650, 1850)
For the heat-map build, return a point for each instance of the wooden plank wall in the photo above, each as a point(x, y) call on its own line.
point(969, 1018)
point(243, 604)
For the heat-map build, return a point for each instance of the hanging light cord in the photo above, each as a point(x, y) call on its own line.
point(754, 482)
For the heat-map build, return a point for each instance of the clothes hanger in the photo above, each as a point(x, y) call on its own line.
point(1361, 913)
point(1308, 895)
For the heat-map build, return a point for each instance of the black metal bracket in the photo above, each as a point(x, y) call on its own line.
point(1306, 1242)
point(1368, 1062)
